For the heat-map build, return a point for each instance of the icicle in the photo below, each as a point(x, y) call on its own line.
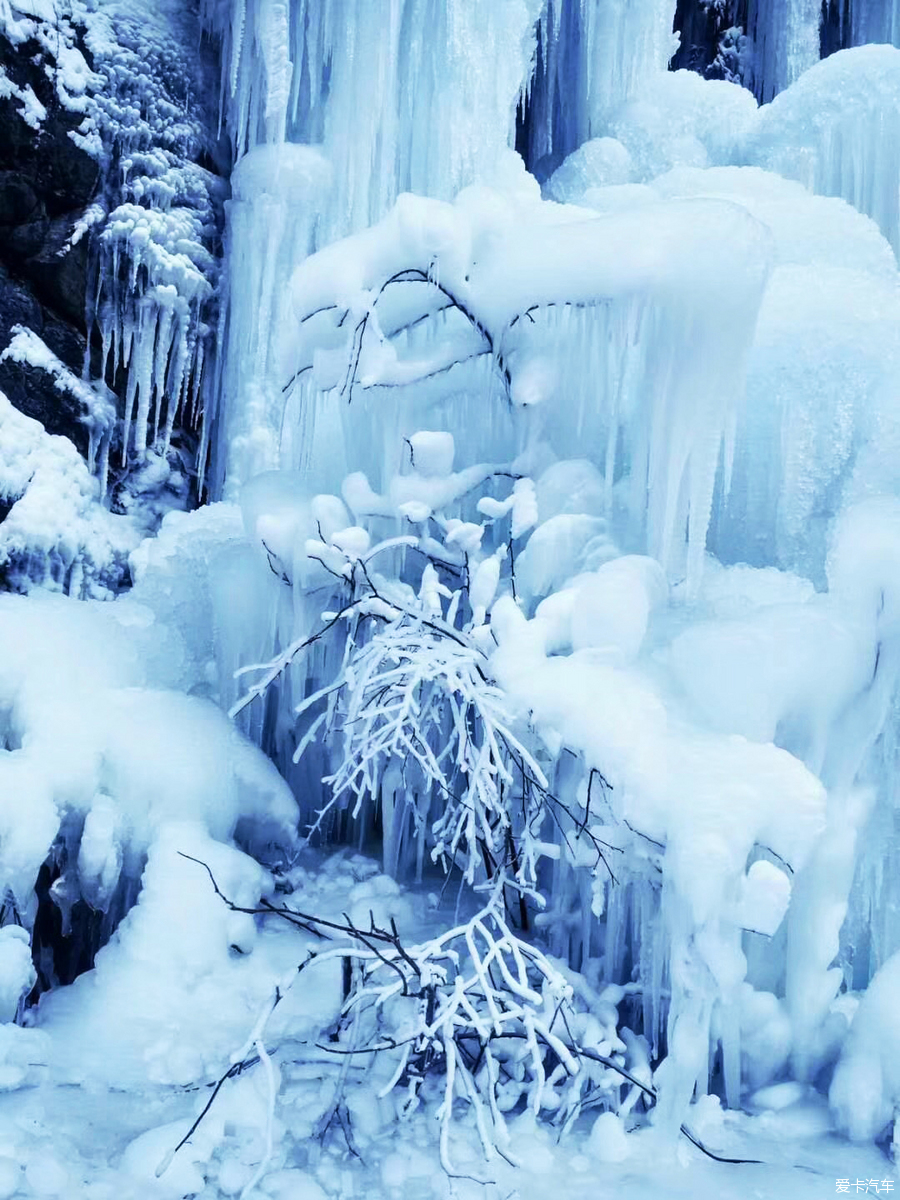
point(277, 196)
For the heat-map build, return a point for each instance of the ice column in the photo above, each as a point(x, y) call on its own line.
point(277, 192)
point(405, 95)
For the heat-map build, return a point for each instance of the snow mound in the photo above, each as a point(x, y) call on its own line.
point(57, 534)
point(832, 130)
point(104, 761)
point(599, 163)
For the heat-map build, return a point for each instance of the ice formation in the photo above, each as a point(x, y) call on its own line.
point(630, 362)
point(830, 131)
point(408, 96)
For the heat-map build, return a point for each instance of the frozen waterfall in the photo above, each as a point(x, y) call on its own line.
point(553, 544)
point(706, 345)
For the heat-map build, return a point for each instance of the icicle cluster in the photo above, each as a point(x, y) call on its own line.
point(156, 274)
point(155, 231)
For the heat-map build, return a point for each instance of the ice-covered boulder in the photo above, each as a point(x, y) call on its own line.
point(865, 1090)
point(598, 163)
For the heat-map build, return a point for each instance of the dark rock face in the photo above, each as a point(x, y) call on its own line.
point(703, 26)
point(28, 388)
point(60, 174)
point(46, 182)
point(144, 107)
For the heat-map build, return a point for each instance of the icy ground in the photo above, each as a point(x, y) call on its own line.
point(86, 1121)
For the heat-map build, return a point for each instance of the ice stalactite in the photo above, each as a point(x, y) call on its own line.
point(594, 56)
point(395, 109)
point(786, 37)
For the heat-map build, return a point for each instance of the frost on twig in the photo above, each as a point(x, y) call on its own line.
point(415, 693)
